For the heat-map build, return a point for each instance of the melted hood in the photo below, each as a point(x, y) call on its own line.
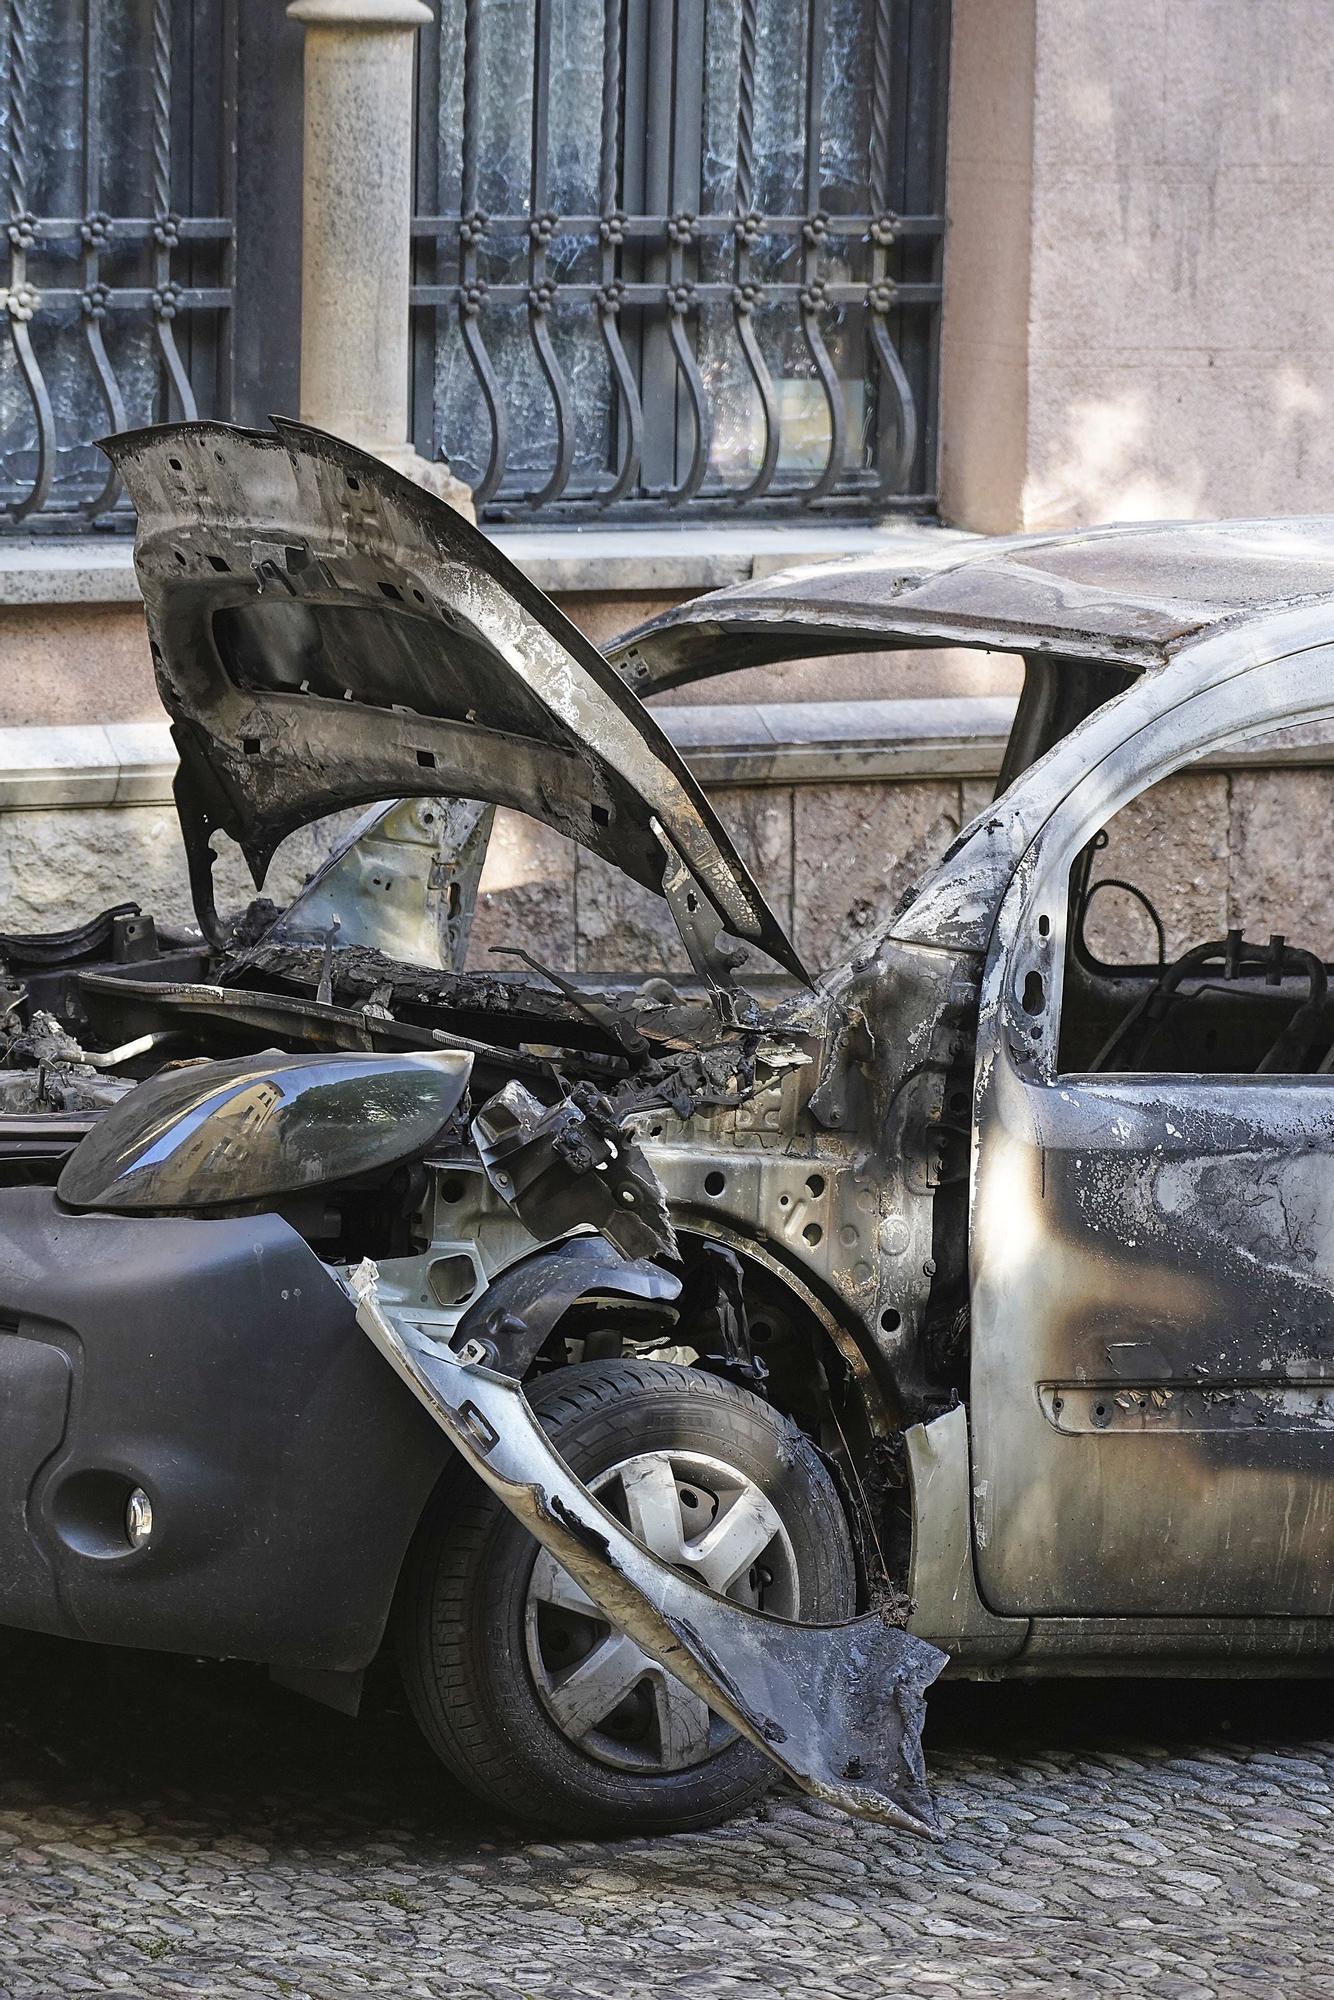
point(326, 634)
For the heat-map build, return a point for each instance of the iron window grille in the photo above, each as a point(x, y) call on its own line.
point(117, 122)
point(681, 254)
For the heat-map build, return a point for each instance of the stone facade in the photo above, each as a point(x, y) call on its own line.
point(1138, 283)
point(1139, 268)
point(1210, 849)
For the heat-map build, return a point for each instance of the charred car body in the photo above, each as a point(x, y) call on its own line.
point(975, 1285)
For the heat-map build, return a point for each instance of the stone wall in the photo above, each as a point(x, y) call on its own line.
point(1216, 850)
point(1212, 848)
point(60, 865)
point(832, 860)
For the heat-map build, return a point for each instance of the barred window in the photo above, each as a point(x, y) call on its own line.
point(681, 254)
point(116, 153)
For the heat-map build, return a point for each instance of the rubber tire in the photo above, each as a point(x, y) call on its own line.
point(460, 1619)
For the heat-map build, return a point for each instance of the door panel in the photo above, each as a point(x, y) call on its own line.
point(1153, 1345)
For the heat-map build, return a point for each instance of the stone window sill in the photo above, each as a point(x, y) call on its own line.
point(661, 561)
point(779, 743)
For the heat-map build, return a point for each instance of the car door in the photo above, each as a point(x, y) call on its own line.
point(1152, 1375)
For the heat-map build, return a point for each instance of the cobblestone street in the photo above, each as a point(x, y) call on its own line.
point(171, 1828)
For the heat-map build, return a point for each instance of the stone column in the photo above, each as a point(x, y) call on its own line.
point(356, 211)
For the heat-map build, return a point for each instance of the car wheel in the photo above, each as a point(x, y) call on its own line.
point(520, 1684)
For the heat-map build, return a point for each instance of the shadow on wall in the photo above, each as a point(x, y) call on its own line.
point(1107, 461)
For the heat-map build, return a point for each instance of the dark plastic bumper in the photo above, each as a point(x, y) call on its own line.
point(219, 1366)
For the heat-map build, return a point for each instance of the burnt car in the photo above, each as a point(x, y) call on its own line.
point(770, 1336)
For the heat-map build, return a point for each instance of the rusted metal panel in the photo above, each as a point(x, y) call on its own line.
point(1124, 596)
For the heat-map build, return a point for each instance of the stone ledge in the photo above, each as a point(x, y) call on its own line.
point(88, 764)
point(778, 743)
point(841, 742)
point(781, 743)
point(658, 560)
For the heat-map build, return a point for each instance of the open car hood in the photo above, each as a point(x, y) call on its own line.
point(326, 634)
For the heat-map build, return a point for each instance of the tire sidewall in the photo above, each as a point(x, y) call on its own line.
point(697, 1413)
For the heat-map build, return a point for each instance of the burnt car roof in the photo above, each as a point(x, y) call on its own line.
point(1126, 596)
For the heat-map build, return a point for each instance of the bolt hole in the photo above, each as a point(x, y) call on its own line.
point(354, 485)
point(175, 465)
point(1044, 926)
point(813, 1233)
point(714, 1183)
point(451, 1190)
point(180, 556)
point(890, 1320)
point(815, 1185)
point(1035, 994)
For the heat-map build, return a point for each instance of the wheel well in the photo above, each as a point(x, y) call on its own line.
point(809, 1377)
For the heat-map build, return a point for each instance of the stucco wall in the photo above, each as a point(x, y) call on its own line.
point(1140, 264)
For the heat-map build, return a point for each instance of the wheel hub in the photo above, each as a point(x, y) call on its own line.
point(711, 1522)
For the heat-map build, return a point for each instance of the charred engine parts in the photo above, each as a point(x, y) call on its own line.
point(713, 1315)
point(43, 1068)
point(570, 1163)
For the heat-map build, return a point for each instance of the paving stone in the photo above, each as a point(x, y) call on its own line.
point(170, 1829)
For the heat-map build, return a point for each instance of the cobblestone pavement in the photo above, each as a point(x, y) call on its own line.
point(170, 1828)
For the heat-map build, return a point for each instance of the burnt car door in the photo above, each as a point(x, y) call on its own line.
point(1152, 1373)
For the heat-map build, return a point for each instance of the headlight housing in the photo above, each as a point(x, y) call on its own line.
point(219, 1134)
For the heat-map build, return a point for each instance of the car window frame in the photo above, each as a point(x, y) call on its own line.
point(1024, 977)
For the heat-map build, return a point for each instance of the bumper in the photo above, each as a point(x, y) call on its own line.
point(219, 1366)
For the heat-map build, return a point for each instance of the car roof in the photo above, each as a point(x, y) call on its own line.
point(1127, 596)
